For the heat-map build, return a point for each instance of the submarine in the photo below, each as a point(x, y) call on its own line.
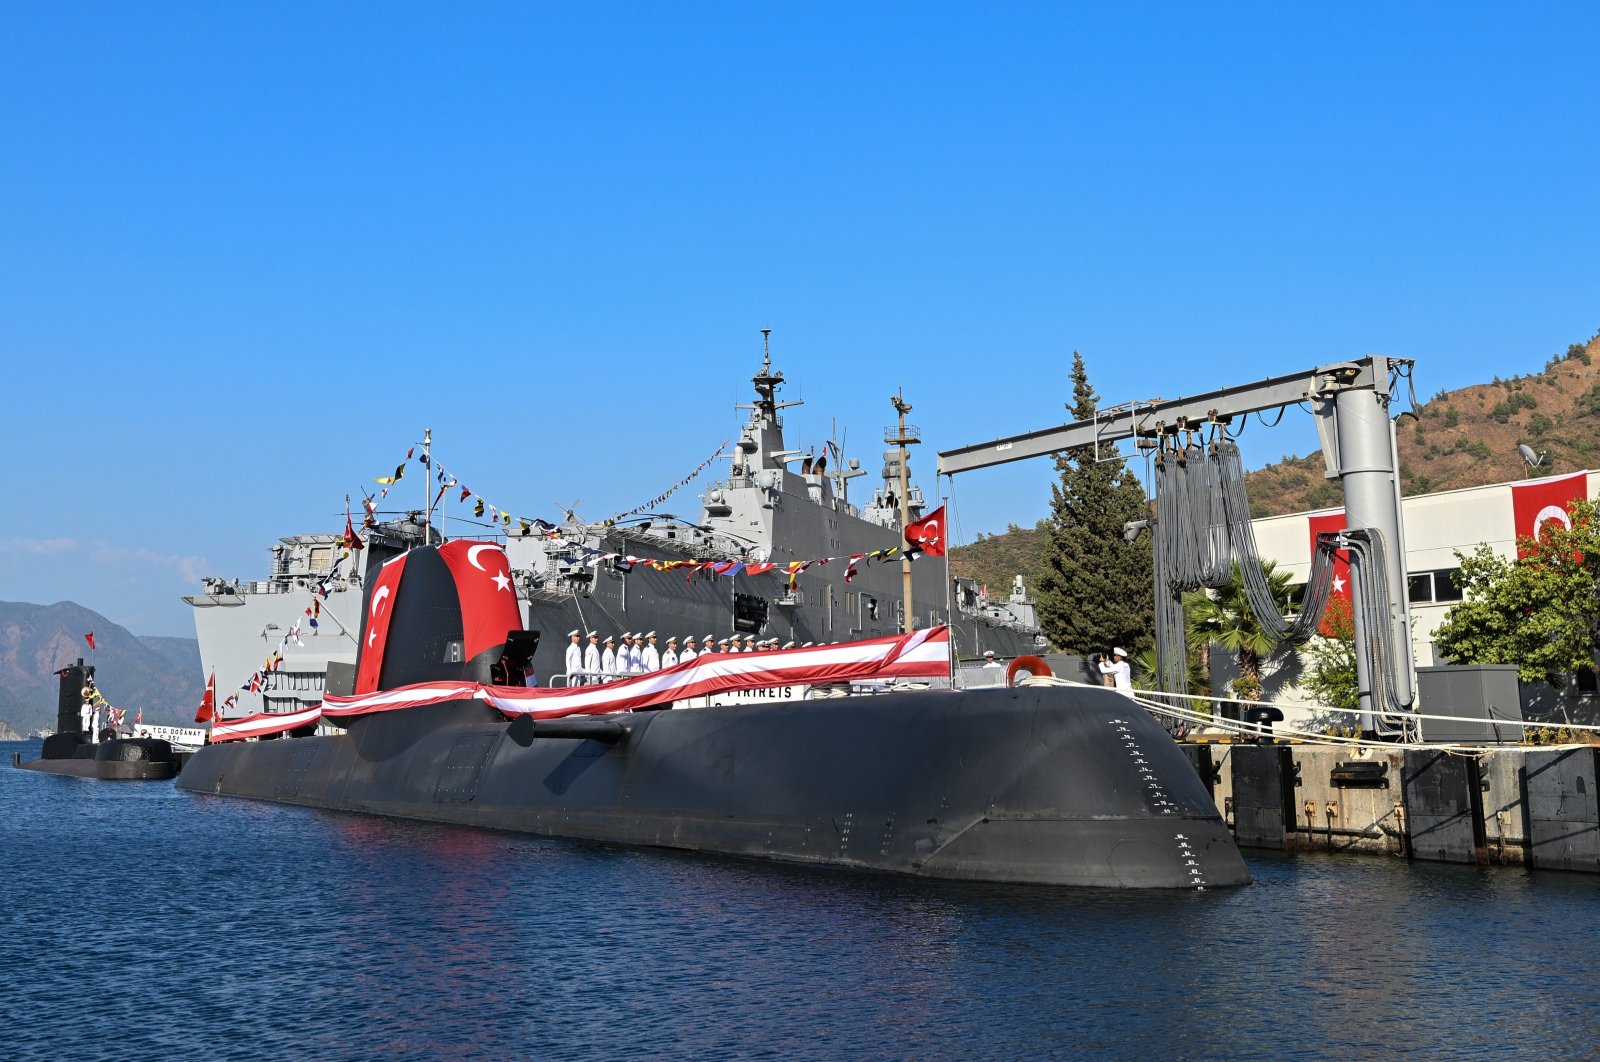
point(1036, 784)
point(74, 754)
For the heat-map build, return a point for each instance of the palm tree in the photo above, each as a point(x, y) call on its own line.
point(1223, 616)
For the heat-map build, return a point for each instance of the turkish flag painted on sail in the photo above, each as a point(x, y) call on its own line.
point(1537, 502)
point(927, 534)
point(375, 624)
point(1323, 524)
point(488, 597)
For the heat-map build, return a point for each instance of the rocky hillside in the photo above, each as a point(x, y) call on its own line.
point(161, 675)
point(994, 560)
point(1468, 437)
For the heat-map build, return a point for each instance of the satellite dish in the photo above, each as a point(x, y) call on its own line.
point(1534, 460)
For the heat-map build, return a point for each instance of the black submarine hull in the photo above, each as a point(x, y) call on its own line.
point(1038, 784)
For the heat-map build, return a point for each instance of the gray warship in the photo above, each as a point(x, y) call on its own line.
point(774, 505)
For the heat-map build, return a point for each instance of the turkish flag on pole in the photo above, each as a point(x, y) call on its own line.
point(208, 703)
point(927, 534)
point(1322, 524)
point(1538, 502)
point(90, 639)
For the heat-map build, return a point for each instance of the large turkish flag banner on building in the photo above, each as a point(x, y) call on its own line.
point(1537, 502)
point(1322, 524)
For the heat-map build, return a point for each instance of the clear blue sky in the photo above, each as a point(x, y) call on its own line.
point(248, 253)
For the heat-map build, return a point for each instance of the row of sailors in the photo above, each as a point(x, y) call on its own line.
point(638, 654)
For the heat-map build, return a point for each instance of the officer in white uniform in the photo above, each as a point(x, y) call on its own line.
point(689, 651)
point(625, 653)
point(650, 656)
point(591, 660)
point(608, 659)
point(670, 657)
point(574, 660)
point(636, 655)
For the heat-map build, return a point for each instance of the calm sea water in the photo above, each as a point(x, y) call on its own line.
point(137, 921)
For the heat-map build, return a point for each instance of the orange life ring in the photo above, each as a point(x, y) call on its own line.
point(1033, 665)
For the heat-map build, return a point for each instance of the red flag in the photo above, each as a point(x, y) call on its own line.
point(208, 703)
point(90, 639)
point(927, 534)
point(487, 594)
point(1341, 565)
point(375, 627)
point(351, 540)
point(1537, 503)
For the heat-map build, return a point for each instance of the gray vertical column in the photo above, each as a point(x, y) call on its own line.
point(1366, 465)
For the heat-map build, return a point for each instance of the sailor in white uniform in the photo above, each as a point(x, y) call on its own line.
point(591, 660)
point(689, 651)
point(624, 653)
point(1121, 674)
point(636, 655)
point(670, 657)
point(650, 656)
point(608, 659)
point(574, 660)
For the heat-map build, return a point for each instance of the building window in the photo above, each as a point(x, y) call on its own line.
point(1446, 584)
point(1420, 587)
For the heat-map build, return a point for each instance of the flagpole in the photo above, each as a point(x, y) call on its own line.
point(902, 440)
point(949, 591)
point(427, 486)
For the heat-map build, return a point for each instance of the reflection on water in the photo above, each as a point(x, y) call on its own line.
point(141, 922)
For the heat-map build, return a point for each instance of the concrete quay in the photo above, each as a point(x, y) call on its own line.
point(1503, 805)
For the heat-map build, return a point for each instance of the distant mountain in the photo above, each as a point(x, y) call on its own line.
point(994, 560)
point(161, 675)
point(183, 653)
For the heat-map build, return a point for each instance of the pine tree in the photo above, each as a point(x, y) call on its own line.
point(1096, 589)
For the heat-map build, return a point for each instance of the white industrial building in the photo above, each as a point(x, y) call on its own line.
point(1436, 527)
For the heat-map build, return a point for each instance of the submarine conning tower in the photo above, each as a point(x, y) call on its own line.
point(442, 613)
point(75, 679)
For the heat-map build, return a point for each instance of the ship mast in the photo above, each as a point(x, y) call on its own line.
point(427, 486)
point(902, 438)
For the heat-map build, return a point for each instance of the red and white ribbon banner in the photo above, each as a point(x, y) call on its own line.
point(263, 725)
point(922, 654)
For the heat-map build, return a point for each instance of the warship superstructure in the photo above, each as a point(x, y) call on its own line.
point(775, 505)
